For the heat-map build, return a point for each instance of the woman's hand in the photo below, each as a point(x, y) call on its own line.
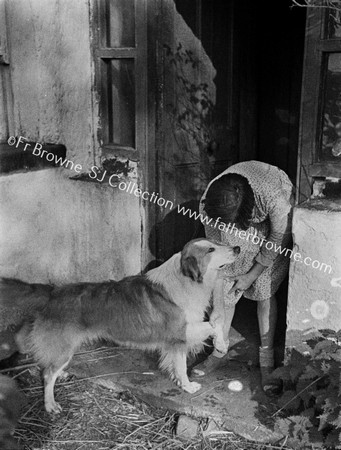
point(242, 282)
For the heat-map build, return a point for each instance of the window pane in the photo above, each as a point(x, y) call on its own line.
point(121, 28)
point(333, 24)
point(122, 107)
point(331, 135)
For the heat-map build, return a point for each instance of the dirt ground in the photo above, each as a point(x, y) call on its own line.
point(96, 418)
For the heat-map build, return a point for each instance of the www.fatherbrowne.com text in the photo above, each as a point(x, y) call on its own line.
point(153, 197)
point(132, 188)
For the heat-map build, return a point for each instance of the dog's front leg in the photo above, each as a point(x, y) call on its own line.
point(197, 333)
point(180, 373)
point(218, 316)
point(174, 361)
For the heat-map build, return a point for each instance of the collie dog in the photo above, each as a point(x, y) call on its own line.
point(162, 310)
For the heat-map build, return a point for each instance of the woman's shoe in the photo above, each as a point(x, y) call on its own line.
point(208, 366)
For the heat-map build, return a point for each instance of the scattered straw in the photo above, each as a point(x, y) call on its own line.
point(96, 418)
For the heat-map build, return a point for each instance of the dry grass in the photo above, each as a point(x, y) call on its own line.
point(95, 418)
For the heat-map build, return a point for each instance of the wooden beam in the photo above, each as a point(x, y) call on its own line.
point(112, 53)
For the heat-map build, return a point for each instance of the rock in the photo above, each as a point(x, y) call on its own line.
point(187, 428)
point(212, 428)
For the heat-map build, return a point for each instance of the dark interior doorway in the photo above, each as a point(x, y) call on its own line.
point(257, 49)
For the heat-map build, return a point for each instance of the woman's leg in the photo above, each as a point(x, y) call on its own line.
point(267, 318)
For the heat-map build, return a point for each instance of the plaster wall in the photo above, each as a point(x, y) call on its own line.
point(314, 299)
point(51, 73)
point(54, 229)
point(58, 230)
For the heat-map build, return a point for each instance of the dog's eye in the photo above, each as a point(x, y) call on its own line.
point(211, 249)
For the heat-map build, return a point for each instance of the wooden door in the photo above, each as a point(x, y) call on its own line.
point(185, 98)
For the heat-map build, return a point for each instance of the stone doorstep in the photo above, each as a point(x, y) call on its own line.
point(137, 372)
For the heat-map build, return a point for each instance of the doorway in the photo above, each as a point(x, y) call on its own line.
point(257, 49)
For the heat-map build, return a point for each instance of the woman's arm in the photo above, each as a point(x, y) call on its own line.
point(243, 282)
point(280, 225)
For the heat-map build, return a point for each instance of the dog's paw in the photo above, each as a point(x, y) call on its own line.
point(53, 407)
point(191, 387)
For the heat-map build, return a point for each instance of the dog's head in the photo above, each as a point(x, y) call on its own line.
point(200, 255)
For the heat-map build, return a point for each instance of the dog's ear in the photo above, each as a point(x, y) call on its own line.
point(190, 268)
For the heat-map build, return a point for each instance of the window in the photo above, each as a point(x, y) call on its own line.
point(120, 59)
point(321, 99)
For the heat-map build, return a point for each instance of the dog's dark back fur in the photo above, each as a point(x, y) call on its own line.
point(134, 312)
point(94, 307)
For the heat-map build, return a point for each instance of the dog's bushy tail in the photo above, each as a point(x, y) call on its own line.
point(20, 301)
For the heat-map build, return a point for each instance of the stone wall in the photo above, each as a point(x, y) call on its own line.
point(314, 299)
